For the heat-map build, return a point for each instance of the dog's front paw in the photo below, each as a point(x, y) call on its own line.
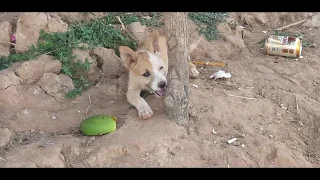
point(145, 112)
point(194, 73)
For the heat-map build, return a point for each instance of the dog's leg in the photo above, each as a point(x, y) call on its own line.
point(134, 98)
point(193, 72)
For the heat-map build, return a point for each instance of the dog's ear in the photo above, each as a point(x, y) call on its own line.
point(128, 56)
point(153, 41)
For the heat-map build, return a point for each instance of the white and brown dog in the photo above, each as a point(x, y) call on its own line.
point(148, 68)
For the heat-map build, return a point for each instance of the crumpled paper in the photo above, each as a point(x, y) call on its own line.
point(220, 74)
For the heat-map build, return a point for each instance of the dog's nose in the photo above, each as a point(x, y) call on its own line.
point(162, 84)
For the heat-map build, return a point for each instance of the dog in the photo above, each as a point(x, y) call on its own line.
point(148, 69)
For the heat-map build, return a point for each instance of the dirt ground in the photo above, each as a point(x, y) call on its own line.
point(270, 104)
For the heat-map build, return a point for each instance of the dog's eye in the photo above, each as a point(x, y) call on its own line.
point(146, 74)
point(161, 67)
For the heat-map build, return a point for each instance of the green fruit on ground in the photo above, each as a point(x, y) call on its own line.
point(98, 125)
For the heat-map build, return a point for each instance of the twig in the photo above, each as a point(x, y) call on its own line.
point(47, 53)
point(292, 24)
point(27, 85)
point(242, 97)
point(3, 159)
point(90, 105)
point(297, 106)
point(13, 44)
point(122, 25)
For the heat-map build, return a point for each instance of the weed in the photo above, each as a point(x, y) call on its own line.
point(208, 21)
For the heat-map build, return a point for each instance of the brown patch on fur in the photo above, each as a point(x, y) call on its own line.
point(128, 56)
point(143, 64)
point(152, 42)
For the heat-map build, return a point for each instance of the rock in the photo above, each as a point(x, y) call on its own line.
point(36, 68)
point(50, 83)
point(54, 15)
point(138, 30)
point(53, 83)
point(247, 19)
point(11, 97)
point(56, 25)
point(96, 75)
point(82, 54)
point(233, 38)
point(5, 135)
point(36, 20)
point(72, 17)
point(29, 26)
point(36, 90)
point(109, 62)
point(66, 83)
point(231, 22)
point(27, 96)
point(4, 51)
point(93, 15)
point(28, 30)
point(8, 78)
point(5, 33)
point(239, 32)
point(247, 34)
point(111, 89)
point(261, 18)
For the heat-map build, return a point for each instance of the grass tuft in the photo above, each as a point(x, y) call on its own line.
point(208, 21)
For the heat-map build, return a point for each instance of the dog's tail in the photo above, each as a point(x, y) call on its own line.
point(194, 45)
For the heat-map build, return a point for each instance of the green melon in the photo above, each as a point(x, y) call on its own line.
point(98, 125)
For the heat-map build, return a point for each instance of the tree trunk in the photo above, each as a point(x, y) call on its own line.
point(177, 100)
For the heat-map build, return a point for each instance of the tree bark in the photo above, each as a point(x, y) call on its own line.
point(177, 100)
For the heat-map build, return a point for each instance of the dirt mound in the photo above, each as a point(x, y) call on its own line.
point(270, 104)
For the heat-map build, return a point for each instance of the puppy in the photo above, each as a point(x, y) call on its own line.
point(148, 69)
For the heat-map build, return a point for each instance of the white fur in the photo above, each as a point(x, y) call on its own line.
point(158, 74)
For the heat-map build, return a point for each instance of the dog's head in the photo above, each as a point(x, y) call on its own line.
point(146, 65)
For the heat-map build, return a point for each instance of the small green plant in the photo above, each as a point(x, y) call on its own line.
point(208, 19)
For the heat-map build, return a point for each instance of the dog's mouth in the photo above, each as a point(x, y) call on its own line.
point(160, 92)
